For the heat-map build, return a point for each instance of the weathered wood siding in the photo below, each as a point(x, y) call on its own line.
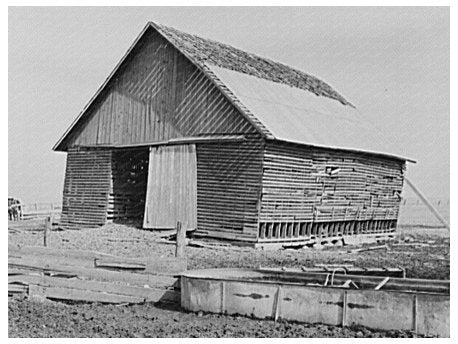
point(104, 185)
point(228, 189)
point(157, 94)
point(86, 188)
point(307, 191)
point(171, 190)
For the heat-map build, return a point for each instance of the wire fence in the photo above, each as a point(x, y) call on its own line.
point(414, 212)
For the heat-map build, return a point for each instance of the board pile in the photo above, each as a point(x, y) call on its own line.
point(87, 276)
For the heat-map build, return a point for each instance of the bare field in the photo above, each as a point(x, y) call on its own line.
point(53, 319)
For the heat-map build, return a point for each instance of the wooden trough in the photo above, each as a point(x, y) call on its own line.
point(421, 306)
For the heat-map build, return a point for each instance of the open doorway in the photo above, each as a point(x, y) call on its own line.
point(126, 201)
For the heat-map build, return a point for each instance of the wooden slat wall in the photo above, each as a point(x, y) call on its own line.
point(156, 95)
point(171, 194)
point(297, 190)
point(228, 189)
point(86, 188)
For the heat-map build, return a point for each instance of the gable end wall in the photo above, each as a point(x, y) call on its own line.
point(157, 94)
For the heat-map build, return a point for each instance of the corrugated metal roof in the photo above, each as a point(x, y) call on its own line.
point(298, 116)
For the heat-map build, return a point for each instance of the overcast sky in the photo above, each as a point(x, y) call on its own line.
point(392, 63)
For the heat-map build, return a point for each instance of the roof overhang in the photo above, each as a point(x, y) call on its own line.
point(359, 151)
point(175, 141)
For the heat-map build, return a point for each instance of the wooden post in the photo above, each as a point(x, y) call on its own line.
point(428, 204)
point(48, 224)
point(180, 241)
point(36, 210)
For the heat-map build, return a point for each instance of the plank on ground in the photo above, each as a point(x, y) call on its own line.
point(132, 278)
point(57, 293)
point(149, 294)
point(81, 258)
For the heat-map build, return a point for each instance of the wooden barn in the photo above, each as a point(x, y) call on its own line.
point(237, 146)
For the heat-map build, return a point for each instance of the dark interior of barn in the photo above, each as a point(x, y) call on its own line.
point(127, 197)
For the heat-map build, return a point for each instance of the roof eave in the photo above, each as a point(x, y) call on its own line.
point(381, 154)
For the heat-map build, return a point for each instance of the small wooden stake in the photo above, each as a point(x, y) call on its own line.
point(48, 224)
point(344, 309)
point(180, 241)
point(277, 302)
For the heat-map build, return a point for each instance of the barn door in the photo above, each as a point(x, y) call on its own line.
point(171, 194)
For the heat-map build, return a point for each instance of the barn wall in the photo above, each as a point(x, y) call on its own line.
point(86, 188)
point(228, 189)
point(103, 185)
point(312, 191)
point(157, 94)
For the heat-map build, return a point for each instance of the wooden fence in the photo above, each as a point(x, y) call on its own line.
point(40, 210)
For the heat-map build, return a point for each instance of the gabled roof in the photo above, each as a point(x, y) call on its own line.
point(281, 102)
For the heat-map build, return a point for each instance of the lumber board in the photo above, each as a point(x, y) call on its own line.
point(61, 253)
point(72, 294)
point(149, 265)
point(154, 281)
point(17, 288)
point(90, 259)
point(148, 294)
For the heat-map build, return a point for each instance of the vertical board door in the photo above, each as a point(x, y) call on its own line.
point(171, 194)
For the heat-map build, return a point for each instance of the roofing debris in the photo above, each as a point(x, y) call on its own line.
point(209, 52)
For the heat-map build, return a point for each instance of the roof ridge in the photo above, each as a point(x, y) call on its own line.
point(205, 50)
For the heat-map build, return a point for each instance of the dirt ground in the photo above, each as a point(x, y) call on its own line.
point(55, 319)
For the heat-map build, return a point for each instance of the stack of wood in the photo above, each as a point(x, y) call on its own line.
point(88, 276)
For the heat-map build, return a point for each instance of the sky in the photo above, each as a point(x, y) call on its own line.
point(392, 63)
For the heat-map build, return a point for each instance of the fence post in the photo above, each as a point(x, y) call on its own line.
point(48, 225)
point(180, 241)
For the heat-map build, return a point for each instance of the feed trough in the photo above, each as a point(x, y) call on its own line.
point(418, 305)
